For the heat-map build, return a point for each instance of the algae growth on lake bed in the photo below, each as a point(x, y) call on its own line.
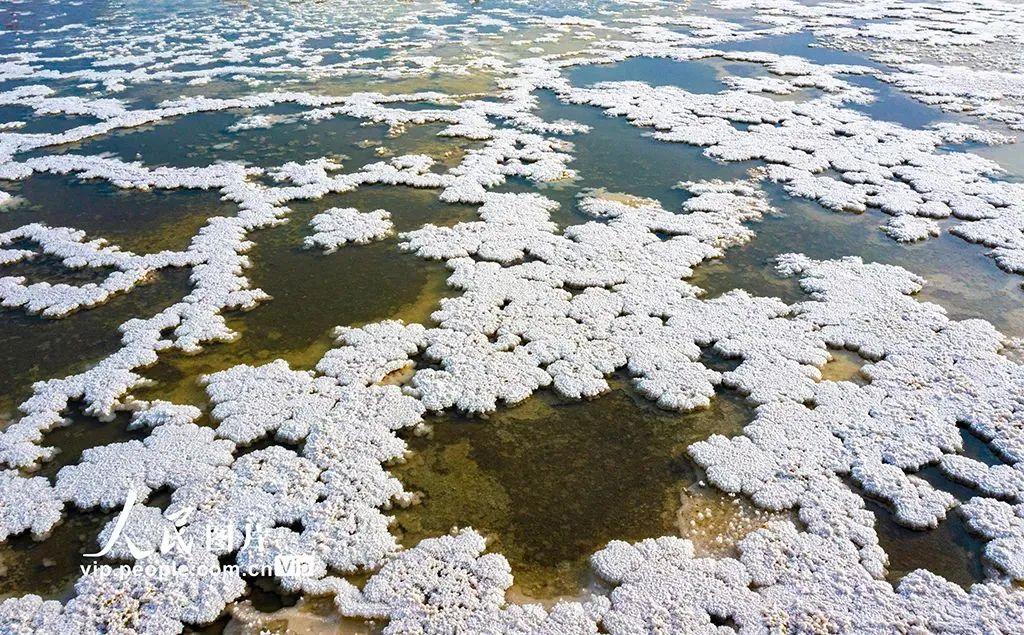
point(511, 317)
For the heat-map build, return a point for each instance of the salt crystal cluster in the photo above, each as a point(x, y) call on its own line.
point(339, 226)
point(447, 585)
point(823, 150)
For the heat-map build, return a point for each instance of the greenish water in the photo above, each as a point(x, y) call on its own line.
point(551, 481)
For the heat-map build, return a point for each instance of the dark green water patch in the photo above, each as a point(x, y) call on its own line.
point(410, 208)
point(948, 550)
point(50, 567)
point(36, 348)
point(50, 269)
point(81, 433)
point(143, 222)
point(312, 292)
point(204, 138)
point(551, 481)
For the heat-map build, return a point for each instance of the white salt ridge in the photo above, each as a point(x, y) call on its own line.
point(339, 226)
point(172, 456)
point(988, 94)
point(979, 75)
point(349, 431)
point(908, 229)
point(789, 581)
point(216, 257)
point(945, 372)
point(516, 328)
point(368, 354)
point(131, 602)
point(1002, 525)
point(70, 247)
point(158, 413)
point(39, 98)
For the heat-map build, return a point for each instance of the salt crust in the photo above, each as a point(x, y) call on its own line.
point(282, 487)
point(75, 252)
point(976, 42)
point(446, 585)
point(602, 298)
point(27, 504)
point(828, 576)
point(339, 226)
point(786, 580)
point(822, 150)
point(129, 602)
point(517, 314)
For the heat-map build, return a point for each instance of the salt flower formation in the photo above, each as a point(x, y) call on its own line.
point(303, 454)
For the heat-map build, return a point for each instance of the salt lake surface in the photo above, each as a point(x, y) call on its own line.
point(561, 317)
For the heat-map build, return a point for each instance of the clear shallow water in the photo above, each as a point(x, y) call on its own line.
point(548, 481)
point(551, 481)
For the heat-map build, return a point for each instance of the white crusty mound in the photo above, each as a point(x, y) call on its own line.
point(131, 602)
point(786, 581)
point(339, 226)
point(446, 585)
point(27, 504)
point(517, 326)
point(940, 372)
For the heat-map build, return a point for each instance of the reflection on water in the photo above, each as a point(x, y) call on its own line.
point(961, 278)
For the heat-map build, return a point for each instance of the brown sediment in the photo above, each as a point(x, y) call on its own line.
point(844, 366)
point(618, 197)
point(715, 521)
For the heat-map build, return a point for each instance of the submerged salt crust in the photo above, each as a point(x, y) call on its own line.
point(303, 453)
